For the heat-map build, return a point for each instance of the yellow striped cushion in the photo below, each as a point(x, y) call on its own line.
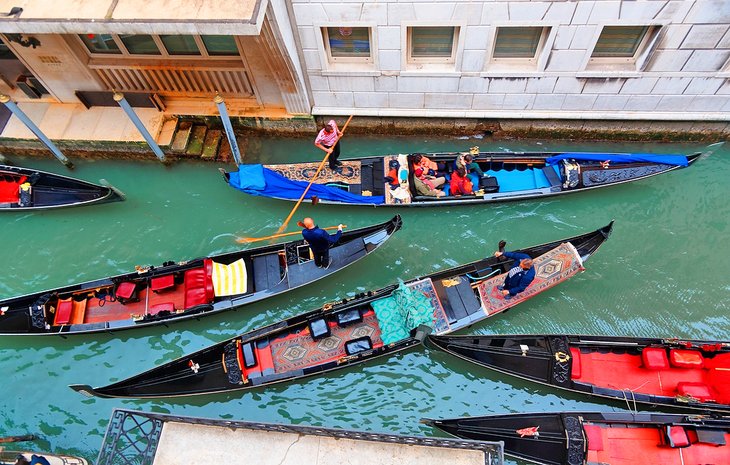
point(230, 279)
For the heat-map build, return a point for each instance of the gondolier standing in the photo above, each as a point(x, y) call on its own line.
point(329, 138)
point(519, 276)
point(319, 241)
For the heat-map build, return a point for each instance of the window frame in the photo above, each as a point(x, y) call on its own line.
point(527, 66)
point(164, 54)
point(333, 60)
point(416, 61)
point(623, 66)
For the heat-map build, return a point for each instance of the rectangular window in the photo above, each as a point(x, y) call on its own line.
point(347, 44)
point(220, 45)
point(180, 44)
point(432, 44)
point(517, 42)
point(140, 44)
point(100, 43)
point(619, 41)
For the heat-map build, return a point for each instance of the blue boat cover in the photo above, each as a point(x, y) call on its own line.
point(254, 179)
point(679, 160)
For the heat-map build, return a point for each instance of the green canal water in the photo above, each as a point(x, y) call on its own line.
point(664, 272)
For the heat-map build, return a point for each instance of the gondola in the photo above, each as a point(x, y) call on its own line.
point(11, 458)
point(387, 181)
point(351, 331)
point(659, 372)
point(601, 438)
point(183, 290)
point(24, 189)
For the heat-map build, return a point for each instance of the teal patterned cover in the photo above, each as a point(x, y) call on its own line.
point(404, 310)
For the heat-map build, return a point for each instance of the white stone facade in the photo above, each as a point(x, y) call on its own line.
point(681, 73)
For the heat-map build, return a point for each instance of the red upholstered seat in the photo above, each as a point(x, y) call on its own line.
point(595, 438)
point(677, 436)
point(125, 290)
point(63, 312)
point(199, 285)
point(654, 358)
point(699, 391)
point(165, 306)
point(681, 358)
point(162, 283)
point(9, 188)
point(576, 368)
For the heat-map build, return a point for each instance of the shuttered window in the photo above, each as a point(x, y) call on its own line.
point(517, 42)
point(619, 41)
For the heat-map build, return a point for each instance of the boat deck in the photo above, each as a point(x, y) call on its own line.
point(214, 444)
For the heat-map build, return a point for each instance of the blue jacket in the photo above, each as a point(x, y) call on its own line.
point(519, 281)
point(319, 239)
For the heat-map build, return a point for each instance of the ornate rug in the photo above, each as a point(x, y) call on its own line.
point(551, 268)
point(298, 351)
point(440, 321)
point(348, 173)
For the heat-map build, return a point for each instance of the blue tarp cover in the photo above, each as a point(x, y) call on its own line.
point(679, 160)
point(257, 180)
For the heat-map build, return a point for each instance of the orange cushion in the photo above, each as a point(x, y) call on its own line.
point(686, 358)
point(595, 438)
point(699, 391)
point(576, 368)
point(654, 358)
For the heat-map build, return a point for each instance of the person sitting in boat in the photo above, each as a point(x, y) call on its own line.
point(34, 460)
point(431, 168)
point(329, 139)
point(460, 183)
point(472, 168)
point(428, 185)
point(319, 241)
point(519, 276)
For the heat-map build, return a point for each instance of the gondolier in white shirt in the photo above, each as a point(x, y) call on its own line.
point(329, 138)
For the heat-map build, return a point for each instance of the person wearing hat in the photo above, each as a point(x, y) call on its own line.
point(328, 140)
point(519, 276)
point(319, 241)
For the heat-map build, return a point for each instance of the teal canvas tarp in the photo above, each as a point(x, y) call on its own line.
point(403, 311)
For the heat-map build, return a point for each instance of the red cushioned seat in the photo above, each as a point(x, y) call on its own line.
point(686, 358)
point(677, 436)
point(63, 312)
point(165, 306)
point(594, 436)
point(9, 188)
point(162, 283)
point(575, 368)
point(654, 358)
point(199, 285)
point(699, 391)
point(125, 290)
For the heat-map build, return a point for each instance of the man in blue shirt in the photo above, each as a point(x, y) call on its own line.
point(519, 276)
point(319, 241)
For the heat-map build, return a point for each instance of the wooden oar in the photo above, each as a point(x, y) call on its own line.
point(314, 178)
point(248, 240)
point(26, 437)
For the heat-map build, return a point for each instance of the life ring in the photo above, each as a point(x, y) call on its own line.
point(561, 357)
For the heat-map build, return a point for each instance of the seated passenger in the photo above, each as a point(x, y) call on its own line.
point(428, 185)
point(519, 276)
point(467, 162)
point(431, 168)
point(460, 183)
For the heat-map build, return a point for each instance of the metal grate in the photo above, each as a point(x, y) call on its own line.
point(130, 439)
point(177, 81)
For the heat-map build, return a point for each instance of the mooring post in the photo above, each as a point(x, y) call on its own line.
point(119, 98)
point(218, 100)
point(15, 110)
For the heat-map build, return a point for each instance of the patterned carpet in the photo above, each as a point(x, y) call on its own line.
point(440, 321)
point(298, 351)
point(349, 172)
point(551, 268)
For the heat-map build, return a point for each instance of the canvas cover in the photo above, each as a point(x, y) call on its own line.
point(404, 310)
point(230, 279)
point(675, 160)
point(254, 179)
